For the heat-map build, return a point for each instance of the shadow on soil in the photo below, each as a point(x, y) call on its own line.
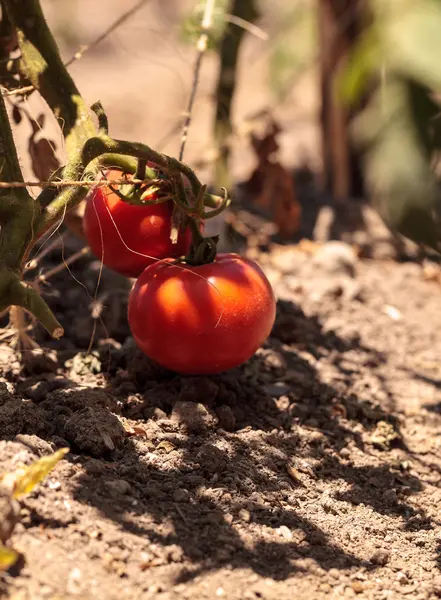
point(202, 482)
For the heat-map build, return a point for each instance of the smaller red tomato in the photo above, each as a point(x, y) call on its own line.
point(127, 237)
point(201, 320)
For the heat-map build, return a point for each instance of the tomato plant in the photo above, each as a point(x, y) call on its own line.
point(201, 319)
point(129, 237)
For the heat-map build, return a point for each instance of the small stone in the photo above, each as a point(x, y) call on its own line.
point(38, 391)
point(380, 557)
point(118, 487)
point(278, 389)
point(158, 414)
point(402, 578)
point(195, 418)
point(336, 258)
point(358, 586)
point(390, 496)
point(285, 532)
point(245, 515)
point(226, 417)
point(181, 495)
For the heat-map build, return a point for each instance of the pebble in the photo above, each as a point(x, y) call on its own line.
point(181, 495)
point(118, 487)
point(194, 417)
point(227, 419)
point(336, 258)
point(278, 389)
point(380, 557)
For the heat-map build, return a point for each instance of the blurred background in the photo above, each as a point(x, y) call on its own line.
point(311, 112)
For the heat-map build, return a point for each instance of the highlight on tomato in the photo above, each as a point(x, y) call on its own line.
point(202, 319)
point(129, 237)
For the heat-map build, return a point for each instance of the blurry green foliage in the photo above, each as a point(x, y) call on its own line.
point(293, 48)
point(191, 24)
point(397, 61)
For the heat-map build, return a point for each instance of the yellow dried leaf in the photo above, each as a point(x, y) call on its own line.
point(7, 557)
point(30, 476)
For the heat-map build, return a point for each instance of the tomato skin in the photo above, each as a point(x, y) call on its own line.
point(144, 229)
point(201, 320)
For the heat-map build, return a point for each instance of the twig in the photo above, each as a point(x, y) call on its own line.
point(201, 48)
point(250, 27)
point(83, 49)
point(68, 261)
point(56, 243)
point(122, 19)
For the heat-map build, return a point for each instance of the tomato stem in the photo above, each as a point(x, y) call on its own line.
point(203, 249)
point(103, 122)
point(140, 168)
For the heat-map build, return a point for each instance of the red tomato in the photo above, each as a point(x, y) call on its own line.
point(202, 320)
point(126, 237)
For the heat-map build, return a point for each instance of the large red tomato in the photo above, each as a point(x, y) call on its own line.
point(127, 237)
point(201, 320)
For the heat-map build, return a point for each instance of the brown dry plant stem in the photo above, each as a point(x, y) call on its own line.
point(245, 10)
point(201, 49)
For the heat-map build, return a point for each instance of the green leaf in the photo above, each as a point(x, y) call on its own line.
point(412, 38)
point(425, 113)
point(362, 64)
point(398, 169)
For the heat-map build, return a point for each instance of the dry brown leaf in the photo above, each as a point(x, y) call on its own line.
point(272, 186)
point(42, 152)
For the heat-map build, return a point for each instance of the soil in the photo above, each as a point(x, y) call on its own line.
point(313, 471)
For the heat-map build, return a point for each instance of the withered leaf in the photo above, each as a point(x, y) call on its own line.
point(23, 480)
point(7, 557)
point(271, 185)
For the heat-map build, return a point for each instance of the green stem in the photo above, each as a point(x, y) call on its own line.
point(229, 52)
point(14, 292)
point(103, 121)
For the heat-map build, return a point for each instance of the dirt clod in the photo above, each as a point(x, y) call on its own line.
point(94, 431)
point(194, 418)
point(311, 471)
